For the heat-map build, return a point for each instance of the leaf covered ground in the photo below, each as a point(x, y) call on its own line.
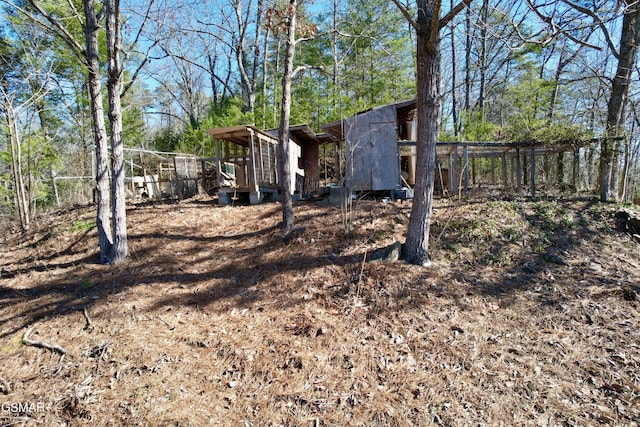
point(528, 316)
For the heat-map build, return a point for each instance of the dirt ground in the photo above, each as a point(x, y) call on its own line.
point(528, 316)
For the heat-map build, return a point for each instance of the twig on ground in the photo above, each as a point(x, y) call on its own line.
point(20, 293)
point(18, 420)
point(586, 313)
point(364, 261)
point(446, 224)
point(52, 347)
point(6, 388)
point(59, 365)
point(169, 325)
point(86, 318)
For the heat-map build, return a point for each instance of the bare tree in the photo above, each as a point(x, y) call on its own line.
point(119, 249)
point(288, 19)
point(110, 250)
point(11, 108)
point(285, 111)
point(427, 26)
point(92, 62)
point(627, 54)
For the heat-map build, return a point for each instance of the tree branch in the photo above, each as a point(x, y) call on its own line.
point(406, 14)
point(435, 28)
point(305, 67)
point(453, 12)
point(555, 29)
point(138, 69)
point(54, 26)
point(598, 21)
point(75, 11)
point(51, 347)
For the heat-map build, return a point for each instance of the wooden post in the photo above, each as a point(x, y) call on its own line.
point(218, 164)
point(504, 170)
point(55, 188)
point(525, 169)
point(450, 173)
point(533, 172)
point(575, 167)
point(245, 168)
point(465, 173)
point(133, 185)
point(337, 161)
point(473, 169)
point(253, 181)
point(493, 170)
point(518, 171)
point(259, 162)
point(454, 170)
point(412, 166)
point(324, 160)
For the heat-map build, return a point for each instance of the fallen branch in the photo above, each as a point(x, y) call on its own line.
point(51, 347)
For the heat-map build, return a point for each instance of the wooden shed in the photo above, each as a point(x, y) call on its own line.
point(247, 162)
point(380, 155)
point(310, 142)
point(373, 156)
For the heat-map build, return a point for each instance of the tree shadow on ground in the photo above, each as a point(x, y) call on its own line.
point(557, 250)
point(231, 272)
point(245, 267)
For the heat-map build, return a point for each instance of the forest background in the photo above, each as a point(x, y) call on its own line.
point(512, 70)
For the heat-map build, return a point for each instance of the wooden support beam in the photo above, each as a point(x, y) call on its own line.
point(218, 164)
point(338, 160)
point(504, 171)
point(518, 171)
point(533, 172)
point(253, 181)
point(493, 170)
point(525, 168)
point(575, 166)
point(453, 170)
point(465, 173)
point(473, 170)
point(133, 184)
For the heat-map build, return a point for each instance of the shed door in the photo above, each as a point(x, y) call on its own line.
point(385, 170)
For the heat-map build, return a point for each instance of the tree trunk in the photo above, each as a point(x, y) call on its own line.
point(16, 167)
point(114, 89)
point(454, 98)
point(622, 192)
point(467, 61)
point(483, 56)
point(416, 249)
point(265, 74)
point(247, 77)
point(103, 220)
point(629, 39)
point(283, 131)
